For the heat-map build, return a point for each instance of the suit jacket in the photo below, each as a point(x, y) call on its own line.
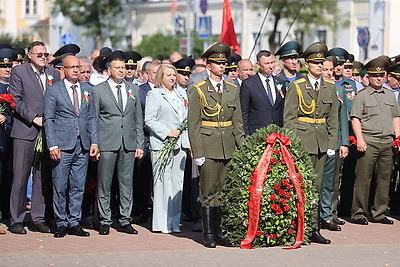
point(119, 127)
point(143, 90)
point(343, 129)
point(62, 123)
point(29, 99)
point(162, 116)
point(5, 127)
point(202, 76)
point(257, 110)
point(316, 138)
point(215, 142)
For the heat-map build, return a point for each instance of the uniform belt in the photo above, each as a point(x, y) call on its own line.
point(216, 123)
point(312, 120)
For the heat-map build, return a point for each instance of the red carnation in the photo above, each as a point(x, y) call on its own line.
point(353, 140)
point(293, 223)
point(288, 195)
point(283, 161)
point(283, 201)
point(284, 181)
point(277, 187)
point(259, 233)
point(288, 186)
point(273, 161)
point(269, 169)
point(272, 198)
point(286, 208)
point(279, 211)
point(300, 176)
point(302, 185)
point(274, 207)
point(290, 231)
point(282, 192)
point(276, 152)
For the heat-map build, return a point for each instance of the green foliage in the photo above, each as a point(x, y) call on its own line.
point(277, 224)
point(20, 41)
point(100, 17)
point(313, 12)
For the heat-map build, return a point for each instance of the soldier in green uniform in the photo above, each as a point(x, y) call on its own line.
point(215, 129)
point(375, 117)
point(311, 111)
point(289, 55)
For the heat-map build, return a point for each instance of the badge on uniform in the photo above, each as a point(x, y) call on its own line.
point(351, 95)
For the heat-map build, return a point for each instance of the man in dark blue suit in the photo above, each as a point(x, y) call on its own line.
point(262, 96)
point(71, 133)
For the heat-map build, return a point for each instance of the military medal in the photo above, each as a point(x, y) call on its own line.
point(351, 95)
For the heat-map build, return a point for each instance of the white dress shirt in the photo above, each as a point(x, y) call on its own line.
point(271, 84)
point(69, 90)
point(114, 89)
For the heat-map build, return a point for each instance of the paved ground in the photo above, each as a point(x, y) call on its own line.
point(355, 245)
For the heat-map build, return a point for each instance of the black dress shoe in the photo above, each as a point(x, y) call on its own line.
point(385, 220)
point(78, 231)
point(361, 221)
point(40, 227)
point(223, 241)
point(316, 237)
point(17, 228)
point(331, 226)
point(61, 231)
point(104, 229)
point(128, 229)
point(338, 221)
point(209, 241)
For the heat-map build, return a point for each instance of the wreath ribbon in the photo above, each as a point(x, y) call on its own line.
point(256, 188)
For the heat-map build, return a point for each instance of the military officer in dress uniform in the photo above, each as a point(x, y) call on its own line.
point(375, 117)
point(349, 163)
point(215, 131)
point(131, 59)
point(289, 55)
point(311, 111)
point(231, 69)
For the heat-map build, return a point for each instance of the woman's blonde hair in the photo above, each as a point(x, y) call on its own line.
point(160, 73)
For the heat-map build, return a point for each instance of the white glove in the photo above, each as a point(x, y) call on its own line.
point(200, 161)
point(330, 152)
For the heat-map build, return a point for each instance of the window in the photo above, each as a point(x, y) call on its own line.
point(31, 7)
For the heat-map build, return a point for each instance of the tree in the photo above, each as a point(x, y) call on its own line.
point(20, 41)
point(313, 12)
point(99, 17)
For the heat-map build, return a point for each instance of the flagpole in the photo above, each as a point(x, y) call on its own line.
point(262, 25)
point(291, 24)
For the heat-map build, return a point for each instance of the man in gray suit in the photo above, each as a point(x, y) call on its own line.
point(71, 133)
point(120, 122)
point(28, 83)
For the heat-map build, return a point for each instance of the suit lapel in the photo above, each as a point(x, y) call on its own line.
point(65, 96)
point(35, 79)
point(260, 87)
point(111, 95)
point(84, 103)
point(277, 91)
point(168, 99)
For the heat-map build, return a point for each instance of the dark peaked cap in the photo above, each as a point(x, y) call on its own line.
point(357, 66)
point(291, 48)
point(340, 53)
point(218, 52)
point(20, 53)
point(394, 70)
point(233, 60)
point(315, 52)
point(132, 57)
point(184, 65)
point(70, 49)
point(7, 56)
point(377, 65)
point(113, 55)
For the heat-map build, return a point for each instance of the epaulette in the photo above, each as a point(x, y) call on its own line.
point(359, 91)
point(301, 80)
point(329, 81)
point(231, 84)
point(197, 85)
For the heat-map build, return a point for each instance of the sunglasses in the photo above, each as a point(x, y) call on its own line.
point(131, 67)
point(348, 66)
point(40, 54)
point(5, 66)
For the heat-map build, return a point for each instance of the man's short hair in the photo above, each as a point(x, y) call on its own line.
point(263, 53)
point(84, 61)
point(33, 44)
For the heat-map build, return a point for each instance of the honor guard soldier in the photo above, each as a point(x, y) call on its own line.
point(311, 112)
point(289, 55)
point(375, 119)
point(131, 59)
point(215, 131)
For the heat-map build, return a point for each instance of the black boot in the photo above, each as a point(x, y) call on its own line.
point(316, 236)
point(219, 238)
point(208, 227)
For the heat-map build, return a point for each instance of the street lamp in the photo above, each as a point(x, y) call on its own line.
point(60, 19)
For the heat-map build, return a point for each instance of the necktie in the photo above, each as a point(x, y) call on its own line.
point(38, 73)
point(75, 97)
point(119, 96)
point(219, 90)
point(269, 91)
point(316, 86)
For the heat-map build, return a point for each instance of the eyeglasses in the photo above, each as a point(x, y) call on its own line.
point(88, 72)
point(348, 66)
point(131, 67)
point(40, 54)
point(72, 67)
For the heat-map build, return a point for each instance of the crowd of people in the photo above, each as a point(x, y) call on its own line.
point(112, 139)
